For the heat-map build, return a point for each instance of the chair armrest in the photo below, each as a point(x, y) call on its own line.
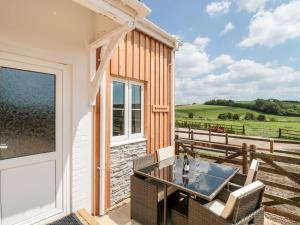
point(198, 212)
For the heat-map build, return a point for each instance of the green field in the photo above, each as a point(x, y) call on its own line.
point(209, 113)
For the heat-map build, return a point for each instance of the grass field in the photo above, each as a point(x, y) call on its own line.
point(209, 113)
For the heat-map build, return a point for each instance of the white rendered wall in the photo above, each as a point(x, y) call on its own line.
point(60, 31)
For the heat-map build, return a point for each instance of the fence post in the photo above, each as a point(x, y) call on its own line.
point(271, 145)
point(192, 138)
point(189, 132)
point(280, 133)
point(176, 144)
point(252, 150)
point(226, 139)
point(209, 134)
point(245, 158)
point(244, 130)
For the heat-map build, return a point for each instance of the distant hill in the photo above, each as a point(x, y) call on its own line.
point(269, 106)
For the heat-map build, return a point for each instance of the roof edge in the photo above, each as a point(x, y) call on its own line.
point(141, 8)
point(157, 32)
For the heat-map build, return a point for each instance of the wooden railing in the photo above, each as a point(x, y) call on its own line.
point(286, 165)
point(286, 133)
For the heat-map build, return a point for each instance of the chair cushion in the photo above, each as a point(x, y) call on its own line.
point(230, 204)
point(252, 172)
point(165, 153)
point(216, 206)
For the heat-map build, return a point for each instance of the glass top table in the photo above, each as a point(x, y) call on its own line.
point(204, 179)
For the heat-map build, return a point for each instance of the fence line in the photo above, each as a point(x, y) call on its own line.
point(213, 127)
point(191, 135)
point(287, 133)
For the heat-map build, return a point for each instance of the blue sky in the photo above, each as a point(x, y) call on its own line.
point(237, 49)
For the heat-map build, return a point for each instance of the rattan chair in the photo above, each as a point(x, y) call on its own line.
point(240, 180)
point(147, 195)
point(179, 213)
point(242, 207)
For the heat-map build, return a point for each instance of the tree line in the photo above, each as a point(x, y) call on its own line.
point(269, 106)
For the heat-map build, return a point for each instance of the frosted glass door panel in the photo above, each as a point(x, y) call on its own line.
point(27, 113)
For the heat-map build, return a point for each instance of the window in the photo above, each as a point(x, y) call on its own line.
point(127, 110)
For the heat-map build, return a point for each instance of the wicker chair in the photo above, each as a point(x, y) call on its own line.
point(147, 195)
point(242, 207)
point(179, 213)
point(240, 180)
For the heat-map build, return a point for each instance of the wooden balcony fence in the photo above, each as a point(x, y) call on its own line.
point(284, 163)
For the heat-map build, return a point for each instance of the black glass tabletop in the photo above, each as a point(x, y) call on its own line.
point(204, 179)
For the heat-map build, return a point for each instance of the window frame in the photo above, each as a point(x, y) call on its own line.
point(128, 136)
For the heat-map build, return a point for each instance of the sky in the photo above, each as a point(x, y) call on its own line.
point(233, 49)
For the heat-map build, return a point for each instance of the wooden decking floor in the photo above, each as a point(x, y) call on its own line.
point(121, 216)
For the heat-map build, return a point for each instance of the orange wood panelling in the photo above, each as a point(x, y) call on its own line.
point(136, 55)
point(152, 94)
point(122, 57)
point(114, 63)
point(147, 93)
point(165, 96)
point(158, 134)
point(142, 58)
point(163, 135)
point(129, 55)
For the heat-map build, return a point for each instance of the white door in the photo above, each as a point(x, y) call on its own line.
point(31, 153)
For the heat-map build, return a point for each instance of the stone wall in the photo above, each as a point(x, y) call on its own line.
point(121, 158)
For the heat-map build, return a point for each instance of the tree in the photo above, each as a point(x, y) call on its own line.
point(222, 116)
point(261, 117)
point(191, 115)
point(236, 116)
point(249, 116)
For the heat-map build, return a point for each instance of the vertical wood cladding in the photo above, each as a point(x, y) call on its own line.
point(140, 57)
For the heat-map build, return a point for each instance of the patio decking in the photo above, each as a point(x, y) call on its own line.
point(121, 216)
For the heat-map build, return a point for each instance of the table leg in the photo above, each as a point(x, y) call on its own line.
point(165, 203)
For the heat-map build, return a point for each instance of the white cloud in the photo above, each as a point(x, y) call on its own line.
point(242, 80)
point(271, 28)
point(192, 60)
point(228, 27)
point(199, 78)
point(220, 7)
point(222, 60)
point(201, 42)
point(251, 5)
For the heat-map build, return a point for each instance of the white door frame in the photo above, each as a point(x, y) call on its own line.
point(63, 129)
